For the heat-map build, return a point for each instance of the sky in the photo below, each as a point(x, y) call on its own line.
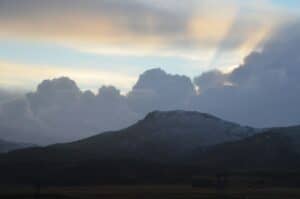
point(235, 59)
point(111, 42)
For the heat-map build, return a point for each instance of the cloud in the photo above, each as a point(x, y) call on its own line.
point(61, 112)
point(8, 95)
point(240, 35)
point(18, 123)
point(265, 89)
point(157, 90)
point(154, 26)
point(211, 79)
point(105, 21)
point(56, 93)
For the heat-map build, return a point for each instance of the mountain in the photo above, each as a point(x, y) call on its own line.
point(160, 138)
point(163, 135)
point(22, 135)
point(6, 146)
point(275, 148)
point(164, 147)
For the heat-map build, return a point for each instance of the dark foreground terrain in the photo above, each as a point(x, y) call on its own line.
point(157, 192)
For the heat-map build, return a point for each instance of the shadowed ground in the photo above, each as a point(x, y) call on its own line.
point(147, 192)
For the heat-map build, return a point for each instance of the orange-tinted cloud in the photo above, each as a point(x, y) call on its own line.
point(129, 24)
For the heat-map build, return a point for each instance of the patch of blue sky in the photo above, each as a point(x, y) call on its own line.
point(46, 54)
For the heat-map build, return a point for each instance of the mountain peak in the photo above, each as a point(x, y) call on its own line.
point(178, 115)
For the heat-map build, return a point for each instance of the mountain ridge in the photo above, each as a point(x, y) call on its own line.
point(162, 146)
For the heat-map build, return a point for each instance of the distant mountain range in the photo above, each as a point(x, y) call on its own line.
point(163, 146)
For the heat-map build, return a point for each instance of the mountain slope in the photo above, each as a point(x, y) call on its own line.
point(276, 148)
point(158, 136)
point(164, 147)
point(161, 138)
point(6, 146)
point(164, 135)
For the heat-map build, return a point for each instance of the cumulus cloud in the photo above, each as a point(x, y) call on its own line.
point(17, 123)
point(8, 95)
point(265, 89)
point(62, 112)
point(54, 93)
point(211, 79)
point(157, 90)
point(240, 35)
point(58, 112)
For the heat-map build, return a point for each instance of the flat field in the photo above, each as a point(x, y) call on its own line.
point(147, 192)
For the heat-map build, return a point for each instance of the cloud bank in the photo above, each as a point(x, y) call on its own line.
point(263, 91)
point(61, 112)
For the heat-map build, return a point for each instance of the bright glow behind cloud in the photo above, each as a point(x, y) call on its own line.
point(28, 76)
